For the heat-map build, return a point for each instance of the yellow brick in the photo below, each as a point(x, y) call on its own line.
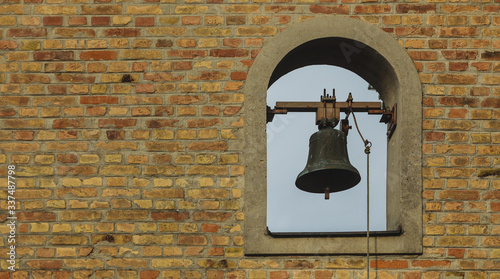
point(113, 158)
point(184, 159)
point(95, 181)
point(163, 134)
point(121, 20)
point(47, 183)
point(61, 228)
point(160, 182)
point(161, 31)
point(55, 10)
point(71, 182)
point(144, 10)
point(89, 159)
point(192, 9)
point(140, 182)
point(39, 227)
point(205, 159)
point(56, 204)
point(164, 205)
point(44, 159)
point(206, 182)
point(228, 159)
point(144, 203)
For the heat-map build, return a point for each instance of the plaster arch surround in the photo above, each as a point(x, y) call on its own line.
point(375, 56)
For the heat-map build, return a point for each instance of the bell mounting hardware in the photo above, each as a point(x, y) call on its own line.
point(328, 168)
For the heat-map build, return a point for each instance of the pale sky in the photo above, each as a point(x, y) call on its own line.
point(292, 210)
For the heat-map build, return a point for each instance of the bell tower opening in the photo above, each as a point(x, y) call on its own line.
point(377, 58)
point(291, 210)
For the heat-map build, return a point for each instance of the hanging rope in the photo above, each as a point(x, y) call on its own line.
point(367, 151)
point(368, 146)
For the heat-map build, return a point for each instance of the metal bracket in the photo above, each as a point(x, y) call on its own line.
point(389, 117)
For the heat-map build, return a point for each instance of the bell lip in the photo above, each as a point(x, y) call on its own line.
point(318, 190)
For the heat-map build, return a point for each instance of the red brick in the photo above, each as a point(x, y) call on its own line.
point(100, 21)
point(99, 55)
point(160, 123)
point(67, 158)
point(95, 100)
point(122, 32)
point(458, 101)
point(458, 66)
point(101, 9)
point(36, 216)
point(457, 113)
point(77, 20)
point(53, 55)
point(213, 228)
point(57, 89)
point(231, 42)
point(144, 21)
point(149, 274)
point(117, 123)
point(481, 66)
point(423, 55)
point(279, 275)
point(45, 264)
point(4, 44)
point(491, 103)
point(176, 216)
point(372, 9)
point(191, 20)
point(457, 79)
point(27, 32)
point(202, 123)
point(415, 31)
point(323, 9)
point(144, 88)
point(491, 55)
point(399, 264)
point(187, 54)
point(211, 216)
point(68, 123)
point(127, 214)
point(459, 195)
point(75, 78)
point(458, 31)
point(185, 99)
point(182, 65)
point(229, 52)
point(76, 170)
point(438, 44)
point(74, 32)
point(459, 54)
point(280, 8)
point(416, 8)
point(456, 252)
point(7, 112)
point(239, 75)
point(183, 239)
point(53, 21)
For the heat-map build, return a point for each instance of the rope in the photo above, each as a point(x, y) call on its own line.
point(368, 146)
point(367, 151)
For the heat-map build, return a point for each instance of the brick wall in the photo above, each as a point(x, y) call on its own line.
point(125, 119)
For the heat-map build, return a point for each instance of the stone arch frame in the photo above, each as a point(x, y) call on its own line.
point(378, 58)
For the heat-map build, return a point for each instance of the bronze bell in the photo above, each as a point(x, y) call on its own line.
point(328, 168)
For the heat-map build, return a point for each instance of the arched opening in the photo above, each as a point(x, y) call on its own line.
point(377, 58)
point(292, 210)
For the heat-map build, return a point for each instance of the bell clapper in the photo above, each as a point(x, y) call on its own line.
point(327, 193)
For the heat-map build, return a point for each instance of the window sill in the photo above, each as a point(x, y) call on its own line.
point(397, 232)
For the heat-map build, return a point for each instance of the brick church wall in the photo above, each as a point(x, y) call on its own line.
point(125, 119)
